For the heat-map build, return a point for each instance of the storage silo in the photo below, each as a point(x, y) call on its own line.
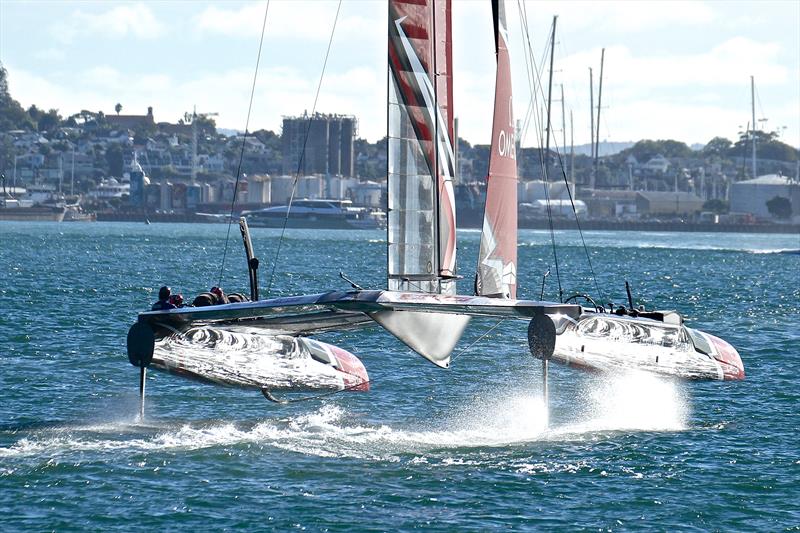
point(334, 146)
point(347, 144)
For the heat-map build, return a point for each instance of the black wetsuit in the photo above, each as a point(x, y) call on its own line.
point(162, 305)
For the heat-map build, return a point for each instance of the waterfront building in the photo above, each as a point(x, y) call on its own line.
point(259, 189)
point(660, 203)
point(751, 196)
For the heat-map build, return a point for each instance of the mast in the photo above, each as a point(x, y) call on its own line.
point(194, 146)
point(563, 131)
point(571, 153)
point(591, 136)
point(435, 170)
point(456, 173)
point(599, 98)
point(72, 175)
point(753, 109)
point(549, 96)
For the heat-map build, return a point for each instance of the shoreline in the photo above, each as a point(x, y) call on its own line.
point(558, 224)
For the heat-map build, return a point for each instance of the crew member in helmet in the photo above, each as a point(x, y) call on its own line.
point(176, 300)
point(220, 296)
point(163, 302)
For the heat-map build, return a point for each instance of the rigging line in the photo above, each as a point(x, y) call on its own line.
point(574, 211)
point(578, 224)
point(476, 341)
point(303, 151)
point(529, 76)
point(244, 142)
point(547, 185)
point(530, 60)
point(760, 105)
point(552, 231)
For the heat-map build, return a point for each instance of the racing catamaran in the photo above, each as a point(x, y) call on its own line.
point(420, 306)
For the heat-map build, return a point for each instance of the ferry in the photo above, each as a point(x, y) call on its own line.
point(319, 214)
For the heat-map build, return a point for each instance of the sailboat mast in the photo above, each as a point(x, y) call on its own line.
point(571, 152)
point(72, 175)
point(435, 172)
point(549, 98)
point(591, 136)
point(456, 174)
point(753, 109)
point(194, 145)
point(599, 98)
point(563, 127)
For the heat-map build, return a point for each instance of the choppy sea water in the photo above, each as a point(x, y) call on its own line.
point(467, 448)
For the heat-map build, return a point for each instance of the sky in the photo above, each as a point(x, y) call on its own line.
point(673, 70)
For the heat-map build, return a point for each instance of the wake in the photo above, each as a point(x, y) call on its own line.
point(624, 403)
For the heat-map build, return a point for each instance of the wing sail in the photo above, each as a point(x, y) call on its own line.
point(421, 163)
point(497, 261)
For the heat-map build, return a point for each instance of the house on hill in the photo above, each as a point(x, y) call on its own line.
point(131, 121)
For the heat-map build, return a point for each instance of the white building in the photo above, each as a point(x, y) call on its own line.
point(531, 191)
point(558, 208)
point(258, 189)
point(751, 196)
point(368, 194)
point(281, 188)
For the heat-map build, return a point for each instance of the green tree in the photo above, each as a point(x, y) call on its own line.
point(718, 146)
point(35, 114)
point(767, 147)
point(114, 159)
point(647, 149)
point(7, 154)
point(12, 114)
point(206, 125)
point(717, 206)
point(780, 207)
point(118, 108)
point(49, 121)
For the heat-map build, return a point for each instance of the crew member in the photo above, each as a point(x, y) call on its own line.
point(220, 296)
point(163, 302)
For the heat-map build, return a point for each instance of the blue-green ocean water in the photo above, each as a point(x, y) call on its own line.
point(451, 450)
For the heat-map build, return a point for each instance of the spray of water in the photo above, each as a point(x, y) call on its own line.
point(622, 403)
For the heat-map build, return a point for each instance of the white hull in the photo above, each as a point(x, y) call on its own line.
point(608, 343)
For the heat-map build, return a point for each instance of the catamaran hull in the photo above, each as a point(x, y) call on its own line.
point(248, 358)
point(606, 343)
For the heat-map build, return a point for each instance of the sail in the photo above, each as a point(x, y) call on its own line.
point(497, 260)
point(421, 162)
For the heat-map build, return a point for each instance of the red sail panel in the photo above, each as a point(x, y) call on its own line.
point(421, 218)
point(497, 259)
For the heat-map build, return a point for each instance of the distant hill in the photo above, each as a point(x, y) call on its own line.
point(606, 148)
point(228, 132)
